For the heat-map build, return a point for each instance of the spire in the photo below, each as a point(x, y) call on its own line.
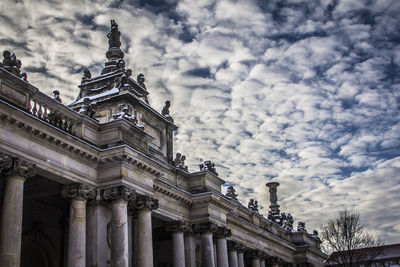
point(114, 53)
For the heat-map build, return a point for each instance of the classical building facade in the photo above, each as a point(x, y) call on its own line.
point(96, 183)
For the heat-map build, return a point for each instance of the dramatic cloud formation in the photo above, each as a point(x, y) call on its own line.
point(306, 93)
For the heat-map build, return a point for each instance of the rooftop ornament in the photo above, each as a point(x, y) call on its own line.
point(253, 205)
point(231, 192)
point(13, 65)
point(179, 162)
point(165, 111)
point(273, 213)
point(208, 166)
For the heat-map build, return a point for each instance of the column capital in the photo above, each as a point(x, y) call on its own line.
point(9, 164)
point(180, 226)
point(146, 202)
point(120, 192)
point(204, 227)
point(79, 190)
point(241, 248)
point(255, 253)
point(233, 245)
point(6, 163)
point(222, 232)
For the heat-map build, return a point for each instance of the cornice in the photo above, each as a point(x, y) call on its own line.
point(172, 192)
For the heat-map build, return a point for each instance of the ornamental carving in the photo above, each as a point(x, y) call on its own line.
point(79, 190)
point(231, 192)
point(120, 192)
point(9, 164)
point(146, 202)
point(222, 232)
point(233, 245)
point(178, 227)
point(204, 228)
point(255, 254)
point(6, 162)
point(208, 166)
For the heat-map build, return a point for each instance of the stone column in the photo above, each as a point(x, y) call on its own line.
point(144, 205)
point(240, 252)
point(78, 194)
point(190, 249)
point(263, 256)
point(96, 234)
point(11, 224)
point(232, 251)
point(207, 247)
point(222, 250)
point(178, 247)
point(255, 258)
point(119, 198)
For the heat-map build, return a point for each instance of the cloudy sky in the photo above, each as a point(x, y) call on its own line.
point(303, 92)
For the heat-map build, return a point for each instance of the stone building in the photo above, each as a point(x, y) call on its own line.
point(96, 183)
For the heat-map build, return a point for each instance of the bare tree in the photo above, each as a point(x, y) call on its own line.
point(345, 236)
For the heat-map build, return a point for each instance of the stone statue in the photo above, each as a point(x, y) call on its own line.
point(165, 110)
point(114, 35)
point(301, 227)
point(315, 235)
point(87, 108)
point(7, 61)
point(86, 76)
point(56, 96)
point(253, 205)
point(231, 192)
point(179, 162)
point(120, 64)
point(13, 65)
point(124, 114)
point(140, 79)
point(208, 166)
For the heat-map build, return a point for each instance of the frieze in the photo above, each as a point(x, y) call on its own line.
point(146, 202)
point(120, 192)
point(79, 190)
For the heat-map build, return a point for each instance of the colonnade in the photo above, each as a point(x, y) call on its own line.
point(216, 250)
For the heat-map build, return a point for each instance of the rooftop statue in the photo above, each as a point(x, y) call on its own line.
point(140, 79)
point(56, 96)
point(165, 111)
point(253, 205)
point(179, 162)
point(86, 76)
point(208, 166)
point(231, 192)
point(124, 114)
point(301, 227)
point(114, 35)
point(12, 64)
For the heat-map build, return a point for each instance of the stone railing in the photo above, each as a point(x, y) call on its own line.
point(47, 109)
point(21, 94)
